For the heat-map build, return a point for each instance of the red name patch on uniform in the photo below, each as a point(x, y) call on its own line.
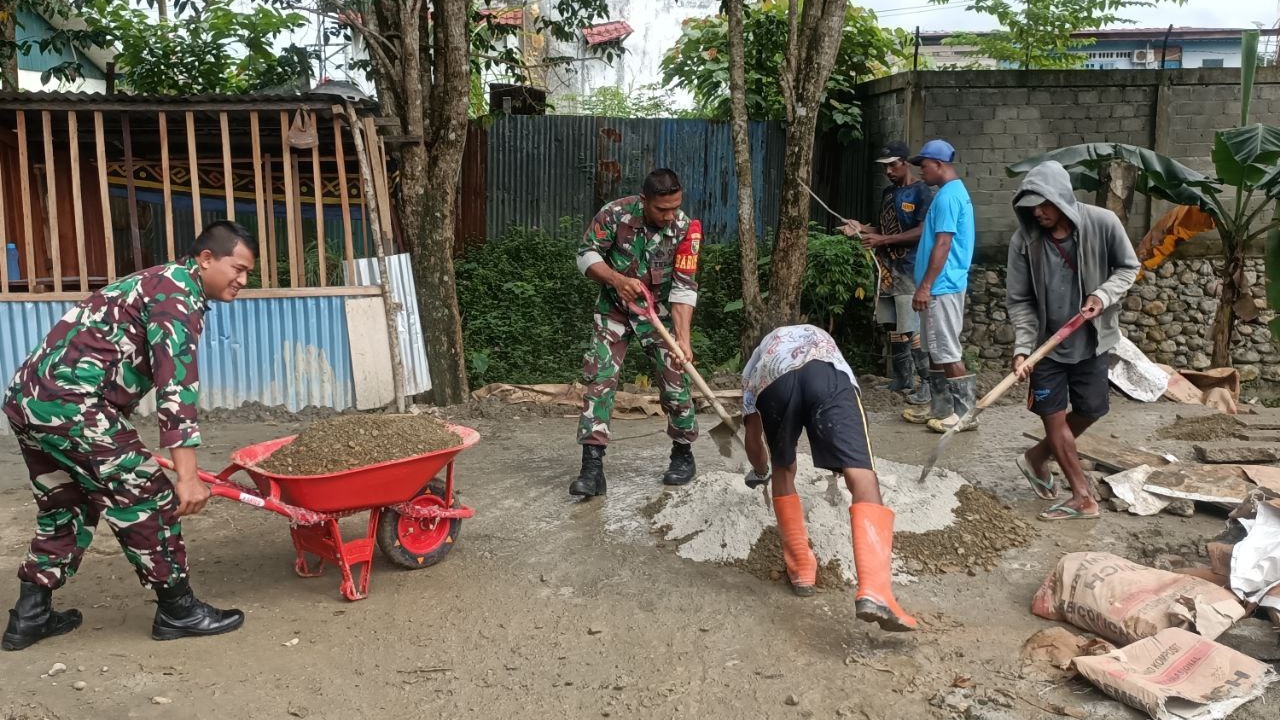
point(687, 252)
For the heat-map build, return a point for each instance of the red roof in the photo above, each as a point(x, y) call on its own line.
point(607, 32)
point(513, 17)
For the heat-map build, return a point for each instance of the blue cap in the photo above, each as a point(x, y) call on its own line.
point(939, 150)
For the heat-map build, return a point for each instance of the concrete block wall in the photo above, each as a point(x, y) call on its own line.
point(996, 118)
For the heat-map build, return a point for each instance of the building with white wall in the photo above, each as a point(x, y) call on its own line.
point(1126, 49)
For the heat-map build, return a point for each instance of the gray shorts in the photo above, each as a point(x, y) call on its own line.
point(942, 324)
point(896, 311)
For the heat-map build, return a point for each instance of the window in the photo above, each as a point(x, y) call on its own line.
point(1211, 62)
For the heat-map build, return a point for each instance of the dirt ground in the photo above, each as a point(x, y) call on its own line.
point(547, 607)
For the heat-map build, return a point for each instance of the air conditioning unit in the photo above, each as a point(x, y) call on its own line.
point(1144, 57)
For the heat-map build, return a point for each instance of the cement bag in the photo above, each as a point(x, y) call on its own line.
point(1177, 675)
point(1123, 601)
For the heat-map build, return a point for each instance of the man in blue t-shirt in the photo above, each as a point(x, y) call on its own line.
point(942, 276)
point(903, 206)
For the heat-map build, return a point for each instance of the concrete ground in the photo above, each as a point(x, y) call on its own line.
point(547, 607)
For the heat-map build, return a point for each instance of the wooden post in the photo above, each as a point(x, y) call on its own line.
point(317, 181)
point(131, 188)
point(167, 185)
point(4, 240)
point(380, 187)
point(290, 226)
point(371, 213)
point(271, 219)
point(194, 163)
point(51, 201)
point(104, 196)
point(77, 201)
point(228, 179)
point(340, 154)
point(24, 187)
point(260, 203)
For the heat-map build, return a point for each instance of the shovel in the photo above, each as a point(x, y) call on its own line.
point(1072, 325)
point(725, 433)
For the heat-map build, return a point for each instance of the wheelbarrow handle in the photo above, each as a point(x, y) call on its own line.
point(650, 309)
point(222, 487)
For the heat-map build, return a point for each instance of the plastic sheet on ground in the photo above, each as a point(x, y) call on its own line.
point(1134, 374)
point(1255, 562)
point(1127, 486)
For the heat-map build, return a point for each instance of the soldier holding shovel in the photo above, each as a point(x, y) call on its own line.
point(638, 242)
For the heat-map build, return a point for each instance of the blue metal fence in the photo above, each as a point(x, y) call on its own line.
point(541, 169)
point(277, 351)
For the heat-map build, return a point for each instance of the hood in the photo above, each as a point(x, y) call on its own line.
point(1051, 181)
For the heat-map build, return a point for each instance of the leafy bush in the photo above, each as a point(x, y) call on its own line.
point(527, 310)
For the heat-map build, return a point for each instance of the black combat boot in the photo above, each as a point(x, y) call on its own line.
point(922, 395)
point(179, 614)
point(590, 480)
point(682, 468)
point(33, 618)
point(903, 367)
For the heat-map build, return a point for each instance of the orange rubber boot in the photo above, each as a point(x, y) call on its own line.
point(802, 566)
point(873, 556)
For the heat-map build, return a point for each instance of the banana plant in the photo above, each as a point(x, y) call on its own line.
point(1243, 198)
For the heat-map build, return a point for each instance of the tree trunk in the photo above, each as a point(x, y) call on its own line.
point(814, 56)
point(752, 305)
point(446, 102)
point(1116, 188)
point(1224, 321)
point(8, 45)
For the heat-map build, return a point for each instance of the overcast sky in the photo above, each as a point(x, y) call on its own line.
point(1195, 13)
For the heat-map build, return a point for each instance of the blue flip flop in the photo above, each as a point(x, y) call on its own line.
point(1045, 489)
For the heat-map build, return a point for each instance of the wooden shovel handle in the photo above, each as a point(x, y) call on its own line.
point(1036, 356)
point(651, 310)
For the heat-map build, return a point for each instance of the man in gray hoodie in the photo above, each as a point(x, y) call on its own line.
point(1067, 257)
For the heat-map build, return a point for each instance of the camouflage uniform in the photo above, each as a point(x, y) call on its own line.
point(69, 405)
point(666, 260)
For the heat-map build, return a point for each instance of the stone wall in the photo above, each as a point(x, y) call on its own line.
point(996, 118)
point(1167, 314)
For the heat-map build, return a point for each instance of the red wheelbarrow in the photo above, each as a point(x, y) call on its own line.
point(414, 517)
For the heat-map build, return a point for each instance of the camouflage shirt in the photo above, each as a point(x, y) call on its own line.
point(665, 258)
point(110, 350)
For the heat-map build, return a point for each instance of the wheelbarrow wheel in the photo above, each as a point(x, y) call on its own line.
point(415, 543)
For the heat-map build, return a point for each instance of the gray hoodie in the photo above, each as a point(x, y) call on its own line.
point(1106, 263)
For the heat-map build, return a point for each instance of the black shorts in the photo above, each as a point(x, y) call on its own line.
point(820, 399)
point(1085, 383)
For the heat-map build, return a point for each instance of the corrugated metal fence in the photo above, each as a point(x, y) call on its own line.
point(276, 351)
point(538, 170)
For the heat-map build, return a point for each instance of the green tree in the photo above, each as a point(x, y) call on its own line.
point(646, 101)
point(1243, 199)
point(422, 59)
point(198, 46)
point(201, 47)
point(1038, 34)
point(699, 63)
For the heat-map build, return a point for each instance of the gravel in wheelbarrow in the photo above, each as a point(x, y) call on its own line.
point(348, 442)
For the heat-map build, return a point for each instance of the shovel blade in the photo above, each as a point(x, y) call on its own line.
point(946, 440)
point(725, 435)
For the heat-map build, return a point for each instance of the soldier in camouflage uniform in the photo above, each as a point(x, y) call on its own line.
point(637, 242)
point(69, 406)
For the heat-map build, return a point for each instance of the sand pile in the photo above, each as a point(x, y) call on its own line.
point(1201, 428)
point(352, 441)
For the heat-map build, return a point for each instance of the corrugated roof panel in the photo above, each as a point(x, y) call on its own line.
point(607, 32)
point(413, 344)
